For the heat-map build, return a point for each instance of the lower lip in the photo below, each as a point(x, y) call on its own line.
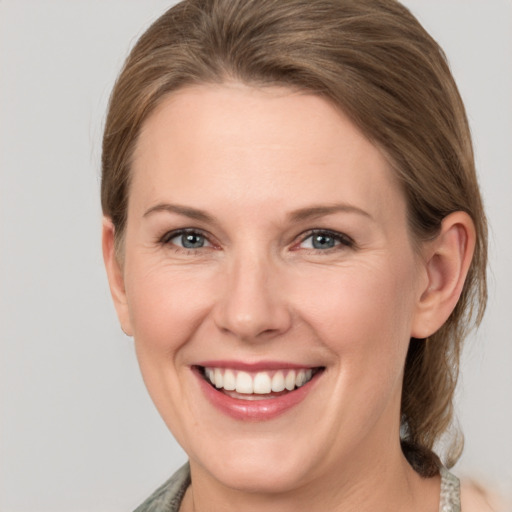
point(254, 410)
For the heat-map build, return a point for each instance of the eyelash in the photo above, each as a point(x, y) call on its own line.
point(167, 237)
point(341, 239)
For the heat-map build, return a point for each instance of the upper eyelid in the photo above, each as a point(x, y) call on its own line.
point(343, 237)
point(319, 231)
point(173, 233)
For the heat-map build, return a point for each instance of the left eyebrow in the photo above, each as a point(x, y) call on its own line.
point(314, 212)
point(186, 211)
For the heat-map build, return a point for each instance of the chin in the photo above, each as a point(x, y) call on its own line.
point(259, 475)
point(256, 463)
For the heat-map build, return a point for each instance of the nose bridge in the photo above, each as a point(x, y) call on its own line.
point(253, 306)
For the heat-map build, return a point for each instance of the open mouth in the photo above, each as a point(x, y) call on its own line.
point(260, 385)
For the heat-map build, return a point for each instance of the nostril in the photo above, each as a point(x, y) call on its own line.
point(252, 321)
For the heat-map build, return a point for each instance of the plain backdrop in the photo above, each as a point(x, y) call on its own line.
point(78, 431)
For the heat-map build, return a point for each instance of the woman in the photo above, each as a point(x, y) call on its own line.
point(295, 238)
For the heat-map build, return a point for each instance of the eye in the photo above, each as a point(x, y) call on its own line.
point(186, 239)
point(323, 240)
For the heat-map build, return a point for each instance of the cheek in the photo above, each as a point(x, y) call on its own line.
point(362, 313)
point(166, 305)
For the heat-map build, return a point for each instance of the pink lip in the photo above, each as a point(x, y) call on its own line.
point(253, 367)
point(254, 410)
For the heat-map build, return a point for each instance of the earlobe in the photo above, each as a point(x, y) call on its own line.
point(447, 261)
point(115, 275)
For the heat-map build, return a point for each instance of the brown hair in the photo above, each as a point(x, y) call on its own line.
point(373, 60)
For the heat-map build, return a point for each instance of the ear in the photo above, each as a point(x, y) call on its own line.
point(115, 275)
point(447, 259)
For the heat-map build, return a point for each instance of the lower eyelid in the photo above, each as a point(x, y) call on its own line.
point(170, 235)
point(339, 238)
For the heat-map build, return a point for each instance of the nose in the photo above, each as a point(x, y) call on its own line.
point(253, 306)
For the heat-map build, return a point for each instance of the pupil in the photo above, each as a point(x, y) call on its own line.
point(323, 241)
point(191, 241)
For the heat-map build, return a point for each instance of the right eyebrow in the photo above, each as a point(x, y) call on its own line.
point(186, 211)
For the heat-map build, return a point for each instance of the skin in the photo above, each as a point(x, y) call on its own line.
point(258, 290)
point(476, 498)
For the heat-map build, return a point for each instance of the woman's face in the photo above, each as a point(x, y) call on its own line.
point(267, 249)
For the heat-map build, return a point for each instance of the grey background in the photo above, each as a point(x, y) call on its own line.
point(77, 431)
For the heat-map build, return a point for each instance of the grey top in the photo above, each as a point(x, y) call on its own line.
point(450, 492)
point(168, 497)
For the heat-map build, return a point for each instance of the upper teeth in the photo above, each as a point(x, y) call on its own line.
point(258, 382)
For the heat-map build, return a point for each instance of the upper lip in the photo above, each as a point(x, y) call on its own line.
point(254, 366)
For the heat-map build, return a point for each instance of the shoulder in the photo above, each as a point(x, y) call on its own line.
point(475, 498)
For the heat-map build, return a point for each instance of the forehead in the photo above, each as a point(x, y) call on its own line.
point(257, 146)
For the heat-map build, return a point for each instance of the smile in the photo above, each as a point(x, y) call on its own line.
point(250, 393)
point(264, 384)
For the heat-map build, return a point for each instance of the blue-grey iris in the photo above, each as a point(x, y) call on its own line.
point(323, 241)
point(192, 241)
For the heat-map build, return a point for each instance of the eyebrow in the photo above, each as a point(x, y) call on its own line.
point(186, 211)
point(314, 212)
point(302, 214)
